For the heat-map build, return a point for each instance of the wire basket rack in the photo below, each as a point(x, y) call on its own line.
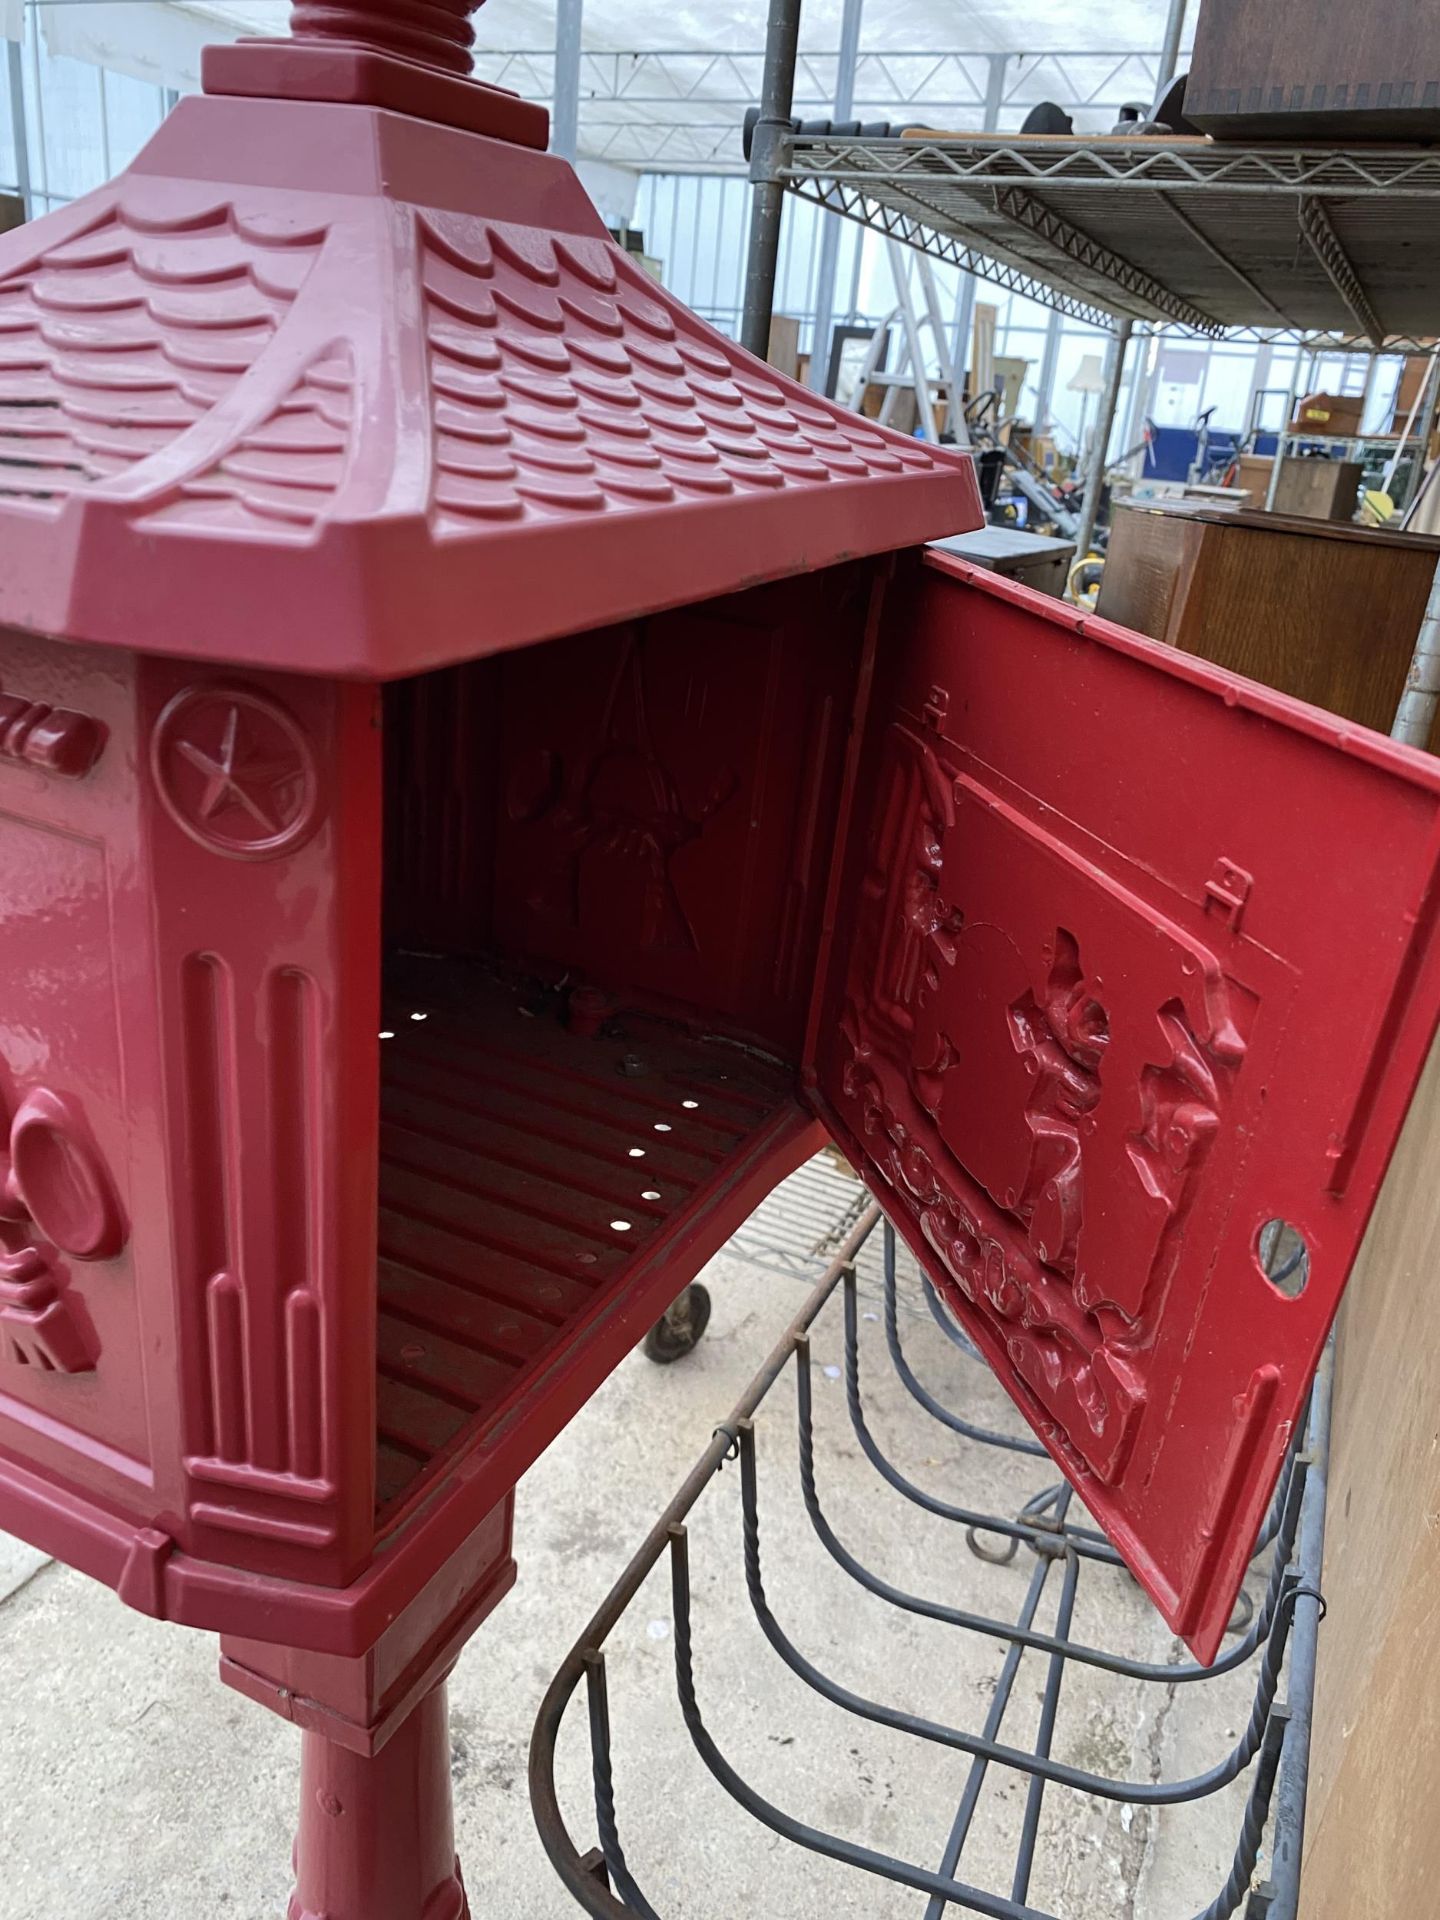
point(1057, 1565)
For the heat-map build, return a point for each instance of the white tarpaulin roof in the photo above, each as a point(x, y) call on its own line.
point(1004, 26)
point(147, 39)
point(160, 40)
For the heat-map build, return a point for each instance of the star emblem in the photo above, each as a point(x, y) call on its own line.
point(236, 771)
point(238, 775)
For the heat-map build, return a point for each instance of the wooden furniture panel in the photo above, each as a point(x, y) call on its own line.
point(1408, 390)
point(1288, 69)
point(1328, 613)
point(1313, 489)
point(1373, 1842)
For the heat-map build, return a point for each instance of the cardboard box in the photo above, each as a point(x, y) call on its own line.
point(1253, 476)
point(1041, 448)
point(1329, 413)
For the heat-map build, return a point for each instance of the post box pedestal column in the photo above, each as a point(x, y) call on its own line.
point(377, 1838)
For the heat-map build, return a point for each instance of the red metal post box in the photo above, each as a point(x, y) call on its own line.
point(488, 779)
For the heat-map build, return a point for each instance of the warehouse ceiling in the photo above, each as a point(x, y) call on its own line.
point(665, 85)
point(1002, 26)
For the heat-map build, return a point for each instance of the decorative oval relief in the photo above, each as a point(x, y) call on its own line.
point(56, 1169)
point(56, 1197)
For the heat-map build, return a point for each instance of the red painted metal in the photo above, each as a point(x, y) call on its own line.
point(390, 383)
point(376, 1837)
point(315, 393)
point(1143, 958)
point(410, 56)
point(377, 1062)
point(360, 1701)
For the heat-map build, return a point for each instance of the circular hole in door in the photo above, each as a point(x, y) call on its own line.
point(1283, 1257)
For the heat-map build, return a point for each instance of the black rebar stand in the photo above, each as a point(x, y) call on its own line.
point(1274, 1642)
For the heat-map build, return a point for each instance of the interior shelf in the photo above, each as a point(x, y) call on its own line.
point(530, 1162)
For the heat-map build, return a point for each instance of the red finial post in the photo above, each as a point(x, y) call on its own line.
point(435, 32)
point(409, 56)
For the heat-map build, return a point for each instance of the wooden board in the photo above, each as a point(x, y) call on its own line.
point(982, 348)
point(783, 352)
point(1286, 69)
point(1332, 613)
point(1326, 612)
point(1373, 1838)
point(1408, 389)
point(979, 136)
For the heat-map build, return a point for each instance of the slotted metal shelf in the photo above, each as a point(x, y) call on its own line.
point(1267, 241)
point(531, 1179)
point(1272, 1654)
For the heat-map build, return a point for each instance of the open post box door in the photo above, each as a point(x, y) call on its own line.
point(1137, 967)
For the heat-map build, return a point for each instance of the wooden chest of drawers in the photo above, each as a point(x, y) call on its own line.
point(1328, 613)
point(1289, 69)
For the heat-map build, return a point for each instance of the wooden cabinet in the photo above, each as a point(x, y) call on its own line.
point(1313, 489)
point(1328, 613)
point(1289, 69)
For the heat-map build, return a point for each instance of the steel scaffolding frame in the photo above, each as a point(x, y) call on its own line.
point(922, 190)
point(952, 86)
point(896, 224)
point(1176, 166)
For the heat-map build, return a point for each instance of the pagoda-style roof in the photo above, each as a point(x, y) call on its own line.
point(323, 385)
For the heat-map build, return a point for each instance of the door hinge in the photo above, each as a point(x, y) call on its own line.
point(1228, 889)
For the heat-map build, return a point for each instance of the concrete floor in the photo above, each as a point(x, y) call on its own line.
point(134, 1786)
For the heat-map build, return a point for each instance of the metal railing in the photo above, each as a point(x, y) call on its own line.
point(1275, 1643)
